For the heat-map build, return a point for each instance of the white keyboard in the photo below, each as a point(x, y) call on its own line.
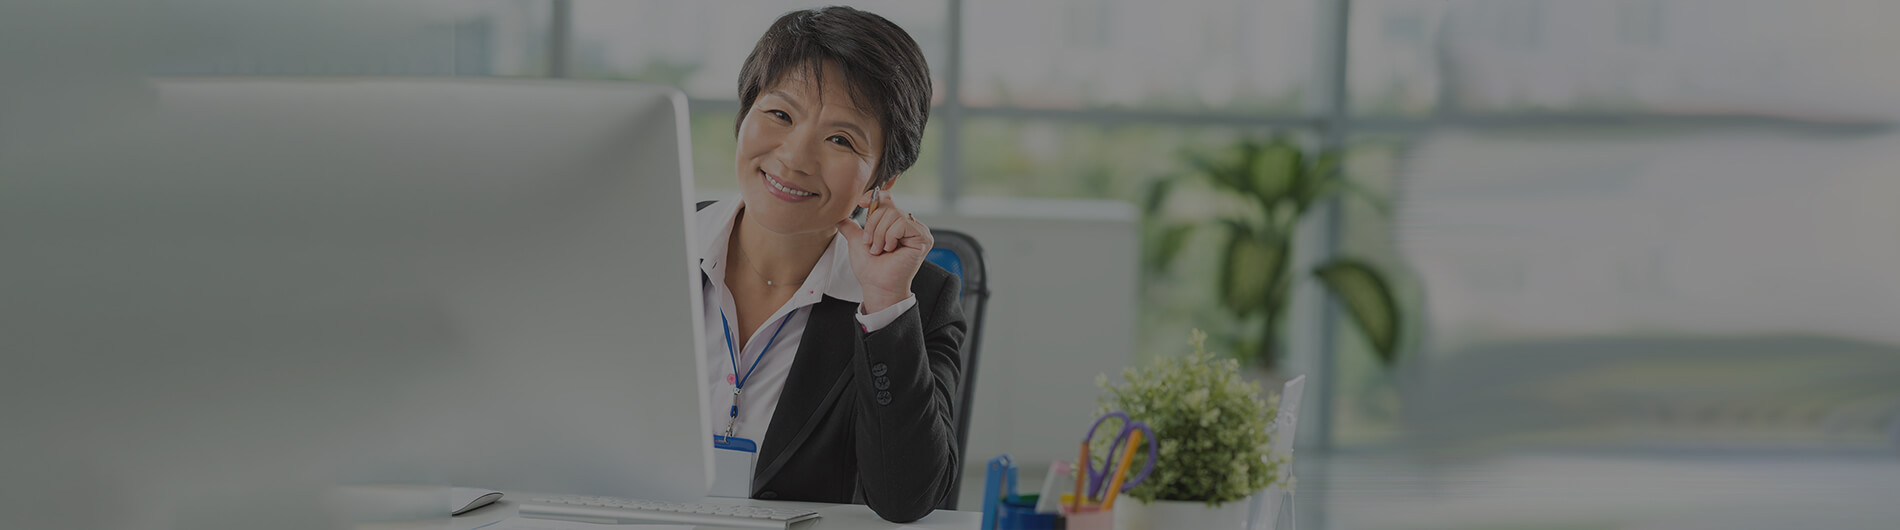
point(616, 510)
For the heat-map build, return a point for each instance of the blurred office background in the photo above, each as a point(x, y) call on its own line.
point(1645, 248)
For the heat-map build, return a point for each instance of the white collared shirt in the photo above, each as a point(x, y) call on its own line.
point(831, 276)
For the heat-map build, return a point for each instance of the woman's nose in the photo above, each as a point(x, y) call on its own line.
point(797, 153)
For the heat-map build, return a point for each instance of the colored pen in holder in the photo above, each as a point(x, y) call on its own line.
point(1088, 515)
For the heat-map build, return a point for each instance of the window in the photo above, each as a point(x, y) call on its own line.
point(1815, 60)
point(1067, 159)
point(1230, 55)
point(1613, 197)
point(699, 46)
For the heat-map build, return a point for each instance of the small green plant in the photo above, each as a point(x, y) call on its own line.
point(1214, 430)
point(1274, 184)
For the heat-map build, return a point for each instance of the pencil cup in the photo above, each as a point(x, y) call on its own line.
point(1088, 518)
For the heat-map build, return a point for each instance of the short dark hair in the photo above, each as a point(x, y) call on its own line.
point(884, 69)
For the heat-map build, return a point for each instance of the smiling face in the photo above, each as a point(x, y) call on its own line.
point(806, 155)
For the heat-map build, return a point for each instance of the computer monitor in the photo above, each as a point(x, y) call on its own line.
point(286, 282)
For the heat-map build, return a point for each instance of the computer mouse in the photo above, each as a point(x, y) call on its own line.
point(462, 500)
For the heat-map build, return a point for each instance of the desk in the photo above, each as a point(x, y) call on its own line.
point(830, 517)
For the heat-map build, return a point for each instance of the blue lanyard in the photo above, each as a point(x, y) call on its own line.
point(738, 382)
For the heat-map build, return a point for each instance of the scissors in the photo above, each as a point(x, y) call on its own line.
point(1099, 479)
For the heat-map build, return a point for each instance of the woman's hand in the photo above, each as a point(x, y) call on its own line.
point(886, 251)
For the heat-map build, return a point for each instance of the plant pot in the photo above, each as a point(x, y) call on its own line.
point(1173, 515)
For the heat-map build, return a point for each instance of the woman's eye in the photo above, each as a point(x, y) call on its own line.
point(840, 140)
point(779, 114)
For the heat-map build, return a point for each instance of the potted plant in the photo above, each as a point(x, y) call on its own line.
point(1269, 187)
point(1215, 437)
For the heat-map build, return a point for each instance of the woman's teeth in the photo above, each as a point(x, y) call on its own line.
point(783, 188)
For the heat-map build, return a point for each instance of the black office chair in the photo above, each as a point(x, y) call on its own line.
point(958, 253)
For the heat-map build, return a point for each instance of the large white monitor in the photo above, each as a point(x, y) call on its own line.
point(250, 285)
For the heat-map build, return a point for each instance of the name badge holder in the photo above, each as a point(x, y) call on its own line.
point(733, 461)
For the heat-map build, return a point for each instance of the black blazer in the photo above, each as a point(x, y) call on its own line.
point(870, 418)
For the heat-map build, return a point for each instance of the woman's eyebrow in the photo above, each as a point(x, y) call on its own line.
point(786, 97)
point(849, 127)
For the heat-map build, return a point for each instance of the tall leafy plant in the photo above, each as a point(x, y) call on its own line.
point(1277, 185)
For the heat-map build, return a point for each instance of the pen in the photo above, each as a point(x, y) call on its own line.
point(1115, 487)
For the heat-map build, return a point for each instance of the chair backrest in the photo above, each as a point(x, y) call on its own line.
point(958, 253)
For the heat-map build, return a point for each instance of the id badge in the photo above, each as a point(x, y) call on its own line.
point(733, 461)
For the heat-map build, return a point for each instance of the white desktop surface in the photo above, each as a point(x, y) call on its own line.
point(830, 517)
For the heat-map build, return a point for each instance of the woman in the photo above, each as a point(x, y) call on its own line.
point(836, 347)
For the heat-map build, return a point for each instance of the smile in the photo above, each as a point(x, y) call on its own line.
point(787, 189)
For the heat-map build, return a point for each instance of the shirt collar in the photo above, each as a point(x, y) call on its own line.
point(831, 276)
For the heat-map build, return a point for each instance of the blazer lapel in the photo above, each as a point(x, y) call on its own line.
point(818, 378)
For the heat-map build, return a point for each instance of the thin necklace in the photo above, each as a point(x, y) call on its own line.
point(755, 270)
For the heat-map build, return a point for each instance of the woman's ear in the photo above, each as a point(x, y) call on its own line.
point(891, 182)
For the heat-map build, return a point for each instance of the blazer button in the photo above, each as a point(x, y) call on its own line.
point(882, 383)
point(768, 495)
point(878, 370)
point(883, 398)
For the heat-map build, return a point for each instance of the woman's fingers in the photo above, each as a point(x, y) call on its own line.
point(888, 228)
point(907, 231)
point(877, 220)
point(894, 236)
point(879, 228)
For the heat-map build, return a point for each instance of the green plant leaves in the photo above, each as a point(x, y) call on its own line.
point(1368, 300)
point(1250, 266)
point(1226, 169)
point(1274, 182)
point(1213, 430)
point(1276, 168)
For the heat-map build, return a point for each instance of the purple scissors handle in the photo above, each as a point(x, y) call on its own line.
point(1098, 479)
